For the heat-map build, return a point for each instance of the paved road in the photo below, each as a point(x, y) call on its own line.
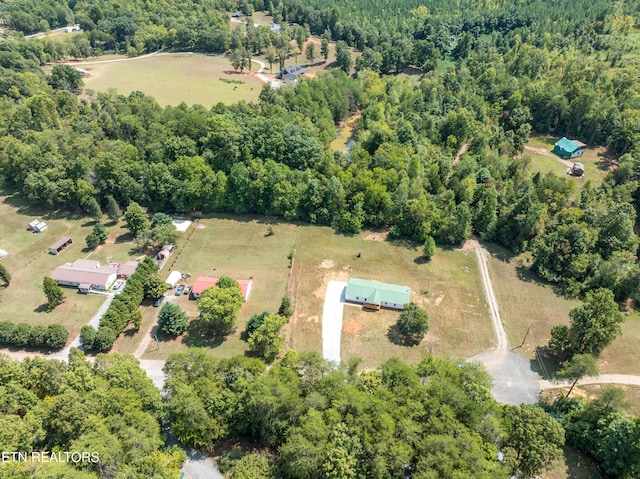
point(602, 379)
point(514, 380)
point(275, 83)
point(95, 322)
point(43, 34)
point(332, 320)
point(128, 59)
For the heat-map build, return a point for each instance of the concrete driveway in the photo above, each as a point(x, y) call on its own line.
point(332, 320)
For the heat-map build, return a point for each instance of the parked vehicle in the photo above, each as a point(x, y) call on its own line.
point(158, 301)
point(187, 289)
point(179, 290)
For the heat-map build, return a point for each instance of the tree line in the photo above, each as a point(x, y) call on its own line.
point(110, 408)
point(313, 419)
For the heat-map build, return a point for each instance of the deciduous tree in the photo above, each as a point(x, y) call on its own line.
point(577, 367)
point(219, 309)
point(533, 437)
point(136, 219)
point(413, 322)
point(266, 340)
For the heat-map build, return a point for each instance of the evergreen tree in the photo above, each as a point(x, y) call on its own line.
point(4, 275)
point(53, 292)
point(113, 209)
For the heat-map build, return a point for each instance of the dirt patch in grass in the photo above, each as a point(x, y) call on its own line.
point(572, 466)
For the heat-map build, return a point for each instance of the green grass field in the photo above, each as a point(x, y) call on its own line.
point(595, 160)
point(235, 246)
point(525, 300)
point(29, 261)
point(459, 321)
point(572, 466)
point(174, 78)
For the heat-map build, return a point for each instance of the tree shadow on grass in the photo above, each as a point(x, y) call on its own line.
point(43, 308)
point(545, 363)
point(396, 337)
point(421, 260)
point(197, 337)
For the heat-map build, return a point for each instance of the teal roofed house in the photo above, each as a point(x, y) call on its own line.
point(569, 148)
point(374, 295)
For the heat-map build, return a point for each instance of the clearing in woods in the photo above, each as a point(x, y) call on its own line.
point(231, 245)
point(526, 300)
point(29, 262)
point(173, 78)
point(459, 322)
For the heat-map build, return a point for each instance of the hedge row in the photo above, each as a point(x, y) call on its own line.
point(122, 311)
point(54, 336)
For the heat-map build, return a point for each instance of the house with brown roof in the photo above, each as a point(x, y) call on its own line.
point(127, 269)
point(86, 274)
point(60, 245)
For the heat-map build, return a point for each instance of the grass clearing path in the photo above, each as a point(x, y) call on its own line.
point(501, 336)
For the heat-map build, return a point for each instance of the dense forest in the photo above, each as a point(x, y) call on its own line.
point(433, 420)
point(110, 408)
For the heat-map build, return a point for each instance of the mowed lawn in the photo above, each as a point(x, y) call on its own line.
point(235, 246)
point(596, 162)
point(175, 78)
point(29, 262)
point(525, 300)
point(459, 320)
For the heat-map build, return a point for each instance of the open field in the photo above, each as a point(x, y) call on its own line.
point(596, 161)
point(235, 246)
point(524, 299)
point(459, 320)
point(590, 391)
point(29, 261)
point(173, 78)
point(572, 466)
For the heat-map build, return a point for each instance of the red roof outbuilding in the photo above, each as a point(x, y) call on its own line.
point(204, 282)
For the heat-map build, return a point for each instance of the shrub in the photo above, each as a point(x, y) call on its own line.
point(57, 336)
point(39, 335)
point(87, 337)
point(22, 334)
point(105, 337)
point(53, 336)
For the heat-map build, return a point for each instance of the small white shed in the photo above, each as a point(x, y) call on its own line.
point(173, 279)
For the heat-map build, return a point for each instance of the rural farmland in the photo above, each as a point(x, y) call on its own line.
point(174, 78)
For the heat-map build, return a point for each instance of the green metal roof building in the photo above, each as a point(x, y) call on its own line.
point(373, 294)
point(569, 148)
